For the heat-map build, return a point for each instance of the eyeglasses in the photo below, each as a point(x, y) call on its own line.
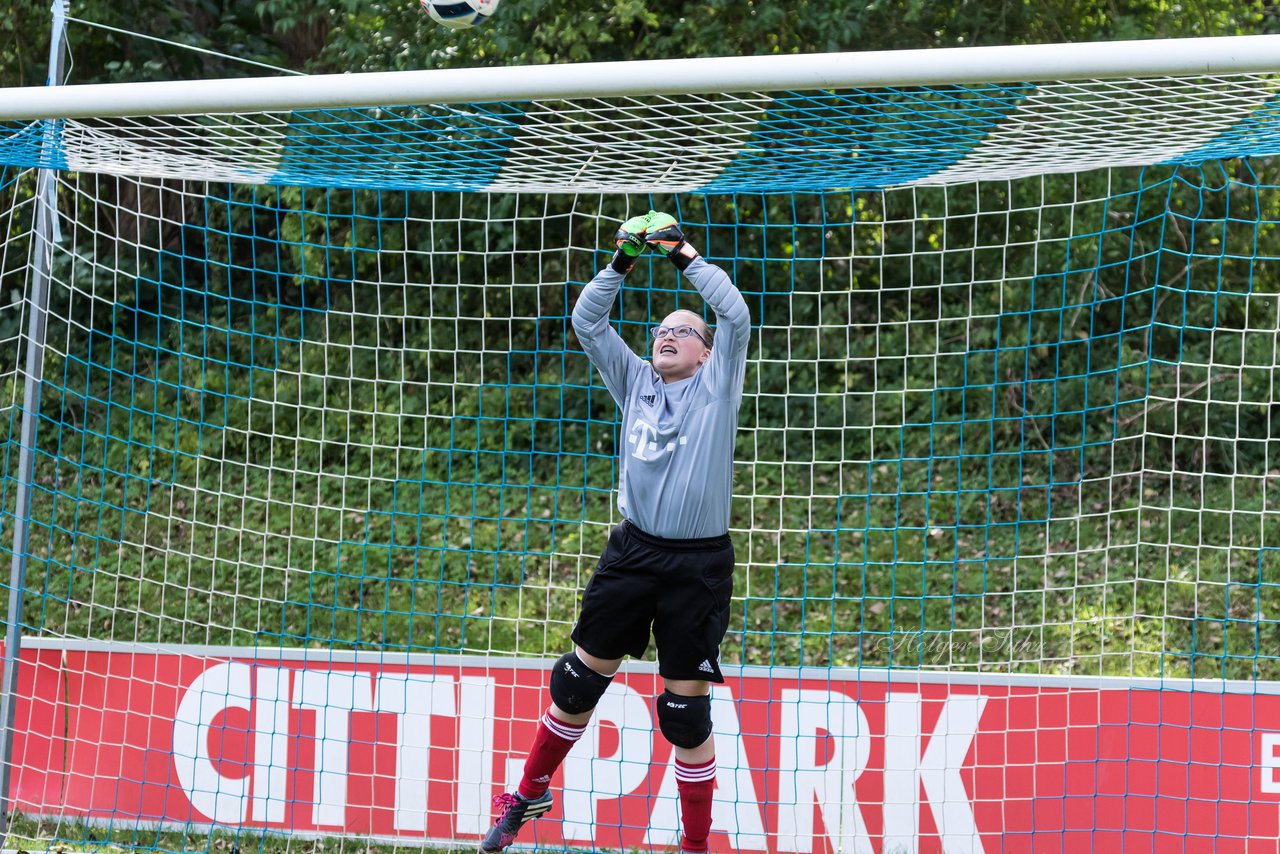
point(677, 332)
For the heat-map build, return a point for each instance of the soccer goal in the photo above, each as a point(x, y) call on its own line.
point(304, 470)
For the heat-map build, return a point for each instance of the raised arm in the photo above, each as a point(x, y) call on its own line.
point(606, 349)
point(728, 362)
point(727, 366)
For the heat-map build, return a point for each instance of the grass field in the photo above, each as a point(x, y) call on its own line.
point(61, 836)
point(469, 533)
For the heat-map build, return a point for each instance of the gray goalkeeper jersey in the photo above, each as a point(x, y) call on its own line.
point(676, 457)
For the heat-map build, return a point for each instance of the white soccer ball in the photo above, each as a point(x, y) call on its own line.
point(459, 14)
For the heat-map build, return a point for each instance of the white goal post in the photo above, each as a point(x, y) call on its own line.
point(729, 75)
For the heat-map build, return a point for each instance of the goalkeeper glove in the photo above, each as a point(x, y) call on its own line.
point(664, 232)
point(630, 241)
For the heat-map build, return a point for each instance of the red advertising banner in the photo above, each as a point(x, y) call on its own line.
point(413, 748)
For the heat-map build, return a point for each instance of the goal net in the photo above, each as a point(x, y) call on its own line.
point(319, 469)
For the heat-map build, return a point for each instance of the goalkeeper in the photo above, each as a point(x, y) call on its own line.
point(668, 567)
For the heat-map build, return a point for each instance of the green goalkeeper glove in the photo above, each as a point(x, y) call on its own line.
point(663, 232)
point(630, 241)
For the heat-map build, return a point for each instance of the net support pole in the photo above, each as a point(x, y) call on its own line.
point(45, 234)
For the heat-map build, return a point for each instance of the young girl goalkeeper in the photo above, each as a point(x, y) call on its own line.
point(667, 569)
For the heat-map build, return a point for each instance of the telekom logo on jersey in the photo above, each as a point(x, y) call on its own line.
point(646, 442)
point(824, 745)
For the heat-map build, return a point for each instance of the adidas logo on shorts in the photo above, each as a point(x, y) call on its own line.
point(706, 667)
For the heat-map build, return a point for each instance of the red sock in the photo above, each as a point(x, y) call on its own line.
point(697, 785)
point(550, 746)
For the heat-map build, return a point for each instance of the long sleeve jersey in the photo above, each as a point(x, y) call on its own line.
point(676, 456)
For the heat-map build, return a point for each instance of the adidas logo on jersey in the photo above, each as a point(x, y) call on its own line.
point(648, 399)
point(706, 667)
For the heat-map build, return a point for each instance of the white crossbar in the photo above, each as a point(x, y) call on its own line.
point(1029, 63)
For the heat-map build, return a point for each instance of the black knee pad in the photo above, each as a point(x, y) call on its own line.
point(684, 721)
point(576, 688)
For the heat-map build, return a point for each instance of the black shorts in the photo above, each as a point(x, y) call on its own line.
point(679, 588)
